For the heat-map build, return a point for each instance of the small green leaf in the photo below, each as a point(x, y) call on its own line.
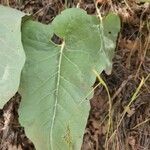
point(57, 79)
point(111, 26)
point(12, 55)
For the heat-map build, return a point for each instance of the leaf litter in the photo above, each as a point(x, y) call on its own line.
point(131, 63)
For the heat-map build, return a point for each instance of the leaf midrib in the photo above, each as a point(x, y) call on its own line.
point(56, 94)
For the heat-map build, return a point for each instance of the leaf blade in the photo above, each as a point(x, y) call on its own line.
point(56, 80)
point(12, 55)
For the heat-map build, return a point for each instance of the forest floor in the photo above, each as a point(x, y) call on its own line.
point(128, 84)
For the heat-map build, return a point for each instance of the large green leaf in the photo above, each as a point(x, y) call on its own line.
point(57, 80)
point(12, 55)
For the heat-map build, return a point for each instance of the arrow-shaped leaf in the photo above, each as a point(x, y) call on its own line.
point(57, 79)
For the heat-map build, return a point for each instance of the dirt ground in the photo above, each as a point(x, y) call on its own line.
point(128, 84)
